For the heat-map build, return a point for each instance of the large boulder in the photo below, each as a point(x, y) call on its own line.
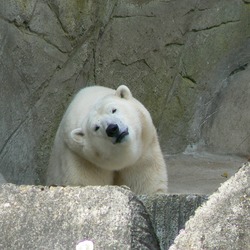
point(59, 218)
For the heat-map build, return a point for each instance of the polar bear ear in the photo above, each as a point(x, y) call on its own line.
point(123, 92)
point(77, 135)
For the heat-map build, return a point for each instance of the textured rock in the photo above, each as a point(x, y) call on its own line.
point(2, 180)
point(224, 128)
point(185, 60)
point(223, 221)
point(59, 218)
point(169, 214)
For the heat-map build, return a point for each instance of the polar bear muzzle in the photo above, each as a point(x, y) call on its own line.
point(113, 130)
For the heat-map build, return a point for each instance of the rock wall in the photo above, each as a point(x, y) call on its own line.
point(187, 61)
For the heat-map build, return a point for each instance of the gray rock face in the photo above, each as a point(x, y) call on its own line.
point(2, 180)
point(169, 213)
point(187, 61)
point(223, 221)
point(59, 218)
point(231, 116)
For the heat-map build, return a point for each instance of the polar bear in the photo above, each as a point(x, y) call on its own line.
point(107, 137)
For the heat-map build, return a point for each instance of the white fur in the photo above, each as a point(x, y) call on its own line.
point(83, 153)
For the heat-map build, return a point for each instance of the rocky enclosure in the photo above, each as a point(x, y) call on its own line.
point(187, 61)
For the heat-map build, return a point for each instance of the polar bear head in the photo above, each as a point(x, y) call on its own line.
point(115, 131)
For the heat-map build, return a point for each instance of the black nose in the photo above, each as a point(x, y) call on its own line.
point(112, 130)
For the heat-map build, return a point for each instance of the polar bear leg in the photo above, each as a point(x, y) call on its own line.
point(69, 169)
point(147, 177)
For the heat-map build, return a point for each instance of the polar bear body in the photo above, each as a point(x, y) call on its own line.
point(107, 137)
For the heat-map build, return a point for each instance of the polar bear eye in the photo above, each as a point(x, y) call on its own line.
point(114, 110)
point(97, 127)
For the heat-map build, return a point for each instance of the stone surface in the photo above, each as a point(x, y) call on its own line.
point(223, 128)
point(59, 218)
point(223, 221)
point(2, 180)
point(187, 61)
point(169, 213)
point(200, 173)
point(110, 217)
